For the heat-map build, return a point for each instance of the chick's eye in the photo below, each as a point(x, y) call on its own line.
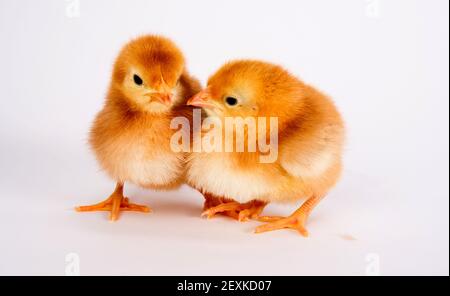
point(137, 79)
point(231, 101)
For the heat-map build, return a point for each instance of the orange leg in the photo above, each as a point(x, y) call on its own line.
point(295, 221)
point(241, 212)
point(114, 204)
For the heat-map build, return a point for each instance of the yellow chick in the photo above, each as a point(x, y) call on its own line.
point(310, 137)
point(131, 134)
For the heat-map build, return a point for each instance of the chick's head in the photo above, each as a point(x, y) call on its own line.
point(147, 73)
point(249, 88)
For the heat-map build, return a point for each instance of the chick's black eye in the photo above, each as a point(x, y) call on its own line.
point(137, 79)
point(231, 101)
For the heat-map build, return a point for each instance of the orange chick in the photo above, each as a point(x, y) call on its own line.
point(310, 137)
point(131, 134)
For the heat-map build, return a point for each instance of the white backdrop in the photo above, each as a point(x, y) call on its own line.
point(384, 62)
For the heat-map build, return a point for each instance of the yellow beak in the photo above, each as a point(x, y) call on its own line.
point(203, 100)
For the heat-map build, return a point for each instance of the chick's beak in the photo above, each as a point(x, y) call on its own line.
point(202, 100)
point(164, 97)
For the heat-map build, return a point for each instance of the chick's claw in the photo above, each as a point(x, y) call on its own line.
point(269, 218)
point(246, 215)
point(253, 211)
point(125, 205)
point(115, 204)
point(296, 223)
point(224, 208)
point(237, 211)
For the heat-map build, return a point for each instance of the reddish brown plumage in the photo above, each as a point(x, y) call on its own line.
point(131, 134)
point(311, 135)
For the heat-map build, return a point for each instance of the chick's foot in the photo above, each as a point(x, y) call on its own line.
point(292, 222)
point(233, 209)
point(295, 221)
point(115, 204)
